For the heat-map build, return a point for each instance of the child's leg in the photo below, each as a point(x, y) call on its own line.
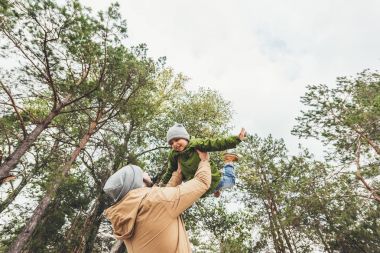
point(228, 179)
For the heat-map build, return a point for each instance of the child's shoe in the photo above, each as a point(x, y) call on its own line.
point(230, 157)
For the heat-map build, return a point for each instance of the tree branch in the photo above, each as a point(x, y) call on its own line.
point(80, 109)
point(91, 168)
point(357, 131)
point(22, 125)
point(84, 75)
point(68, 102)
point(18, 44)
point(360, 177)
point(49, 75)
point(150, 150)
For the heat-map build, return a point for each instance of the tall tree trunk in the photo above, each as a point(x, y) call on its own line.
point(275, 216)
point(93, 221)
point(275, 236)
point(38, 234)
point(90, 228)
point(276, 226)
point(267, 199)
point(320, 235)
point(39, 212)
point(97, 218)
point(284, 233)
point(13, 159)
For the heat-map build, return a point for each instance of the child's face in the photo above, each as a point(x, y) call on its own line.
point(178, 144)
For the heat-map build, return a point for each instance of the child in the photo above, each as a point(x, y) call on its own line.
point(184, 152)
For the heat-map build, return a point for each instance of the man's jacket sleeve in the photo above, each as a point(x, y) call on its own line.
point(216, 144)
point(175, 180)
point(178, 199)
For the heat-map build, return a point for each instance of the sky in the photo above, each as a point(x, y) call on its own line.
point(260, 55)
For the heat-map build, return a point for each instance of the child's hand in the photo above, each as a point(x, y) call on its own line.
point(242, 135)
point(203, 155)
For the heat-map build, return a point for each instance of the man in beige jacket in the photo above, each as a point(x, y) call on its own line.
point(149, 219)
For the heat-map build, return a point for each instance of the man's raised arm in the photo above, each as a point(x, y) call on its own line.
point(179, 198)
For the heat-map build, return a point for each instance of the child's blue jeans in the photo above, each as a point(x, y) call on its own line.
point(228, 179)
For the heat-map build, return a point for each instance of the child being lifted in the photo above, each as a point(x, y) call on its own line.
point(184, 153)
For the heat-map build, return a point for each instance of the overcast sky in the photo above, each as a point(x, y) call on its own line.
point(260, 55)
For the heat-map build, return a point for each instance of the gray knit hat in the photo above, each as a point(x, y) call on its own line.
point(122, 181)
point(177, 131)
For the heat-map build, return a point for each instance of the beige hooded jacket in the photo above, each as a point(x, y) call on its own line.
point(149, 219)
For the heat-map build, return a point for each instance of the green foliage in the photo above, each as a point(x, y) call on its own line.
point(298, 202)
point(348, 116)
point(204, 113)
point(36, 110)
point(229, 231)
point(73, 197)
point(343, 114)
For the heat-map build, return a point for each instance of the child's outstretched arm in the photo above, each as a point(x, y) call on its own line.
point(220, 144)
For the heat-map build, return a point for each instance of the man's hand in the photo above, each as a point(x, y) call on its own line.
point(242, 135)
point(147, 180)
point(203, 155)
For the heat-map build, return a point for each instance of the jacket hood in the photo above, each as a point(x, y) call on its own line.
point(122, 181)
point(124, 213)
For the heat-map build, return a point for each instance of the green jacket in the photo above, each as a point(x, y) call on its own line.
point(189, 158)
